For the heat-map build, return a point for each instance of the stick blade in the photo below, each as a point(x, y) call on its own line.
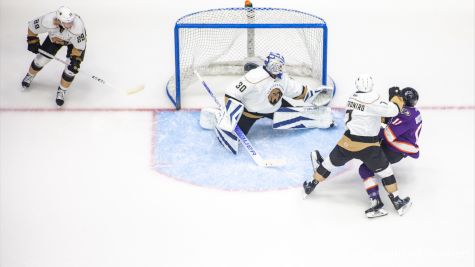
point(273, 163)
point(135, 89)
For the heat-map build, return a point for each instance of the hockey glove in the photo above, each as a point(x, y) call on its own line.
point(394, 91)
point(398, 101)
point(75, 63)
point(33, 43)
point(320, 96)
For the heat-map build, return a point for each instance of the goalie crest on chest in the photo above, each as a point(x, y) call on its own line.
point(275, 94)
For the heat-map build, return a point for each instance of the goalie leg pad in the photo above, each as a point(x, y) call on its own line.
point(209, 118)
point(228, 139)
point(230, 115)
point(303, 118)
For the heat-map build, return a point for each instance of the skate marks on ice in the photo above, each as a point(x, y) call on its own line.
point(186, 152)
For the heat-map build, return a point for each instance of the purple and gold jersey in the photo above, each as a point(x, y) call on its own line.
point(402, 132)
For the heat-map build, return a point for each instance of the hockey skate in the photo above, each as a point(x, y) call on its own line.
point(376, 209)
point(60, 97)
point(316, 159)
point(401, 205)
point(27, 81)
point(309, 186)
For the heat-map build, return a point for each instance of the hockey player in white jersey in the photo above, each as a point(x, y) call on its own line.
point(260, 94)
point(365, 109)
point(64, 28)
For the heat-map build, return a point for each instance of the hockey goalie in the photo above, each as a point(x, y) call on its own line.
point(262, 93)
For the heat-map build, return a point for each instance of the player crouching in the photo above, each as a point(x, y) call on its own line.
point(64, 28)
point(261, 93)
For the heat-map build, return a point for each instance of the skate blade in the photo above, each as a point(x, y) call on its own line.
point(404, 209)
point(376, 214)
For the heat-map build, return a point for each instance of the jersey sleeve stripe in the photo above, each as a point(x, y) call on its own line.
point(388, 133)
point(404, 147)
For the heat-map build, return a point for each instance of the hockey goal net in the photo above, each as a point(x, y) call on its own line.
point(224, 41)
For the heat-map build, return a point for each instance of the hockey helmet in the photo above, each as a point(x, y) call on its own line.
point(410, 96)
point(364, 83)
point(65, 15)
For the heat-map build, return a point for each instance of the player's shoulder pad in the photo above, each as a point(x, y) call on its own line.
point(47, 20)
point(78, 26)
point(366, 98)
point(256, 75)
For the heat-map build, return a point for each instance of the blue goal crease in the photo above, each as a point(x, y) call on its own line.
point(189, 153)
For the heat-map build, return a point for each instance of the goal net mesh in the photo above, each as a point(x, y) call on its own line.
point(223, 41)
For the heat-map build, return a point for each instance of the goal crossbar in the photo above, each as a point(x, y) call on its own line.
point(187, 22)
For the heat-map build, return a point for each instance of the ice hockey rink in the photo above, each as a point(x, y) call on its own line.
point(80, 186)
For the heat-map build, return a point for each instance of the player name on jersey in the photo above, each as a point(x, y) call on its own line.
point(356, 106)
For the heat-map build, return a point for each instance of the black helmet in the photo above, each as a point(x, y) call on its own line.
point(410, 96)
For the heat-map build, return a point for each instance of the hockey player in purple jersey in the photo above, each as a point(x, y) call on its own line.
point(398, 140)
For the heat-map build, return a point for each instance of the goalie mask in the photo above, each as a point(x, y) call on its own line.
point(274, 63)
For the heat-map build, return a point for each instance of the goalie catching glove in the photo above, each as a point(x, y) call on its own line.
point(320, 96)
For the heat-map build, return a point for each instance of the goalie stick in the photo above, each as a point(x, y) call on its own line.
point(242, 137)
point(94, 77)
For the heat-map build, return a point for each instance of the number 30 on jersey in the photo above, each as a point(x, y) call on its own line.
point(241, 87)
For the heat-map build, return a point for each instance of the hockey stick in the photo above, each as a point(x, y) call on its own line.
point(129, 91)
point(242, 137)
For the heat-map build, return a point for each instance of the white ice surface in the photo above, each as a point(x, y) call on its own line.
point(76, 187)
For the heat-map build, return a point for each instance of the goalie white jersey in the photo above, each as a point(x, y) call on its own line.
point(76, 35)
point(261, 93)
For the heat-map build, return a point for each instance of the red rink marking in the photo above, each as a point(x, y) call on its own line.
point(154, 111)
point(466, 107)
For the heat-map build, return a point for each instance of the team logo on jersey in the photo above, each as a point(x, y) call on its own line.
point(275, 95)
point(406, 112)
